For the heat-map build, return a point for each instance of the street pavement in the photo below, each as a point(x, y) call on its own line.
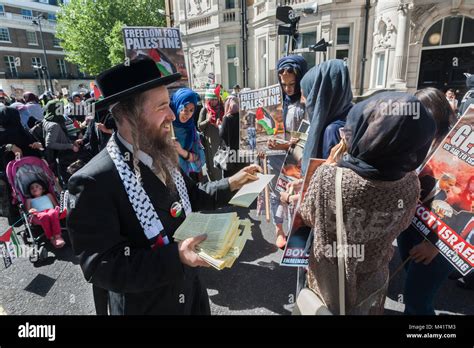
point(255, 285)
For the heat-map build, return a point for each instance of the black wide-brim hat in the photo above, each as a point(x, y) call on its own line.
point(125, 80)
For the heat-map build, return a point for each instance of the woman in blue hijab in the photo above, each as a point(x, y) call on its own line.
point(191, 153)
point(327, 91)
point(291, 70)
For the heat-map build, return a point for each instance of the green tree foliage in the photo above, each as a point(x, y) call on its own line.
point(90, 30)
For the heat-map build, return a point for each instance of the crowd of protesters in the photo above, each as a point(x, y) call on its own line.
point(381, 154)
point(64, 133)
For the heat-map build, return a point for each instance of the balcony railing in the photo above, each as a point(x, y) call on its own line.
point(292, 2)
point(198, 23)
point(232, 15)
point(263, 9)
point(26, 20)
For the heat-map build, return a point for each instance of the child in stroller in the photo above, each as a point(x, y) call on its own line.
point(45, 210)
point(21, 173)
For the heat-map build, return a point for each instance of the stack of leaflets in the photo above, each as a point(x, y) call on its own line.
point(226, 236)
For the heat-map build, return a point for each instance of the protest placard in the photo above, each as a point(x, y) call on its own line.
point(260, 118)
point(291, 169)
point(163, 45)
point(445, 212)
point(298, 244)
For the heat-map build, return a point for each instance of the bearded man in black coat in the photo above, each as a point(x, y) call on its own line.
point(127, 202)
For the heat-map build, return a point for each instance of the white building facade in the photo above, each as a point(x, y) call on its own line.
point(387, 44)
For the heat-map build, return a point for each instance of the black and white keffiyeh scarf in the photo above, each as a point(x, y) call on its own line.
point(144, 210)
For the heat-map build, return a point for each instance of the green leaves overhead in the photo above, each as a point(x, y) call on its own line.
point(90, 30)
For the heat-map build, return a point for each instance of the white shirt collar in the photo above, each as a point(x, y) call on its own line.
point(142, 156)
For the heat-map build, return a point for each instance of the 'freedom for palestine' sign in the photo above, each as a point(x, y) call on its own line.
point(147, 38)
point(163, 45)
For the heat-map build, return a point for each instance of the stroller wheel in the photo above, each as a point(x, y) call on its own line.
point(43, 254)
point(26, 238)
point(34, 256)
point(38, 255)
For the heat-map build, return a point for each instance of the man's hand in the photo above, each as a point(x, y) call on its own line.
point(424, 252)
point(75, 148)
point(245, 175)
point(32, 210)
point(78, 142)
point(187, 252)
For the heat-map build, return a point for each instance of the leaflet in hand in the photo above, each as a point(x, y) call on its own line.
point(249, 192)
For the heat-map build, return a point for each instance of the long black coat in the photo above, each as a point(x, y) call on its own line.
point(114, 252)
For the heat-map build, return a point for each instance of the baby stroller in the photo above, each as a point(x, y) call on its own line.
point(20, 173)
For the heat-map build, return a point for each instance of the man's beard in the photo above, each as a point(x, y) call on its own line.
point(160, 148)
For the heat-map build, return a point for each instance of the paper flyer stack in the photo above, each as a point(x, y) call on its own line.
point(226, 236)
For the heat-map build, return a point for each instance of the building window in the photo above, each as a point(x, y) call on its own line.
point(229, 4)
point(10, 63)
point(61, 67)
point(342, 54)
point(452, 30)
point(343, 35)
point(343, 40)
point(36, 61)
point(468, 30)
point(27, 14)
point(2, 10)
point(56, 42)
point(231, 67)
point(44, 1)
point(52, 17)
point(4, 34)
point(31, 38)
point(380, 66)
point(306, 40)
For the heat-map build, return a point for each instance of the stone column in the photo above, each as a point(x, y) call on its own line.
point(401, 44)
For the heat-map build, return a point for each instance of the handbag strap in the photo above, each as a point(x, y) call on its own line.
point(339, 231)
